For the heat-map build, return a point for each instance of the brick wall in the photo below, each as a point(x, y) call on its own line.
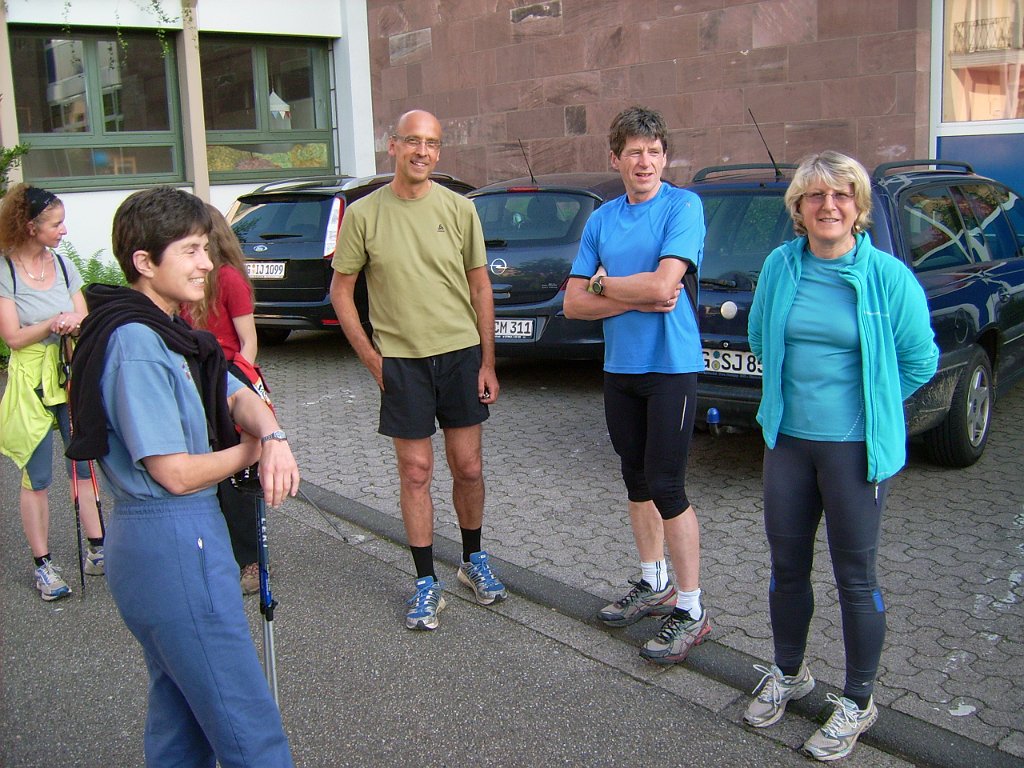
point(839, 74)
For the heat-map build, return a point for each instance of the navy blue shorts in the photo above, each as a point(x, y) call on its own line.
point(421, 391)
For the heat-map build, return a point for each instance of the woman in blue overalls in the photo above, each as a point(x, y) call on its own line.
point(165, 439)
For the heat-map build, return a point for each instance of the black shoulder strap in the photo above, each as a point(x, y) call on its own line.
point(56, 257)
point(63, 268)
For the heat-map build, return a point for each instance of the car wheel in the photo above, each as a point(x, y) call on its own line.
point(272, 336)
point(960, 440)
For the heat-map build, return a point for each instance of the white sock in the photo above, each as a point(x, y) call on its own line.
point(690, 602)
point(655, 574)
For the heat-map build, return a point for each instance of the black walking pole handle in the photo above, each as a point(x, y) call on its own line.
point(267, 601)
point(248, 482)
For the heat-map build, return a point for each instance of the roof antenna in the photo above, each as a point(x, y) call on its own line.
point(523, 150)
point(778, 173)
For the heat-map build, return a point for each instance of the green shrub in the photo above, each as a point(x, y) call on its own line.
point(96, 269)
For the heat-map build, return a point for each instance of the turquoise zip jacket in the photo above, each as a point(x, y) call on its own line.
point(898, 347)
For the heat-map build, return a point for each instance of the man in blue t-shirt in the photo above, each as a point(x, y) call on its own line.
point(637, 270)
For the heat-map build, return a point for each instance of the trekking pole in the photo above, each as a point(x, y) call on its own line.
point(248, 482)
point(267, 602)
point(65, 367)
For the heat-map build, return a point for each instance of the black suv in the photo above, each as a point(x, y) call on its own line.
point(289, 230)
point(961, 234)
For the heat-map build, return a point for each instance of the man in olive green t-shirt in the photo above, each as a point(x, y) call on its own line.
point(421, 248)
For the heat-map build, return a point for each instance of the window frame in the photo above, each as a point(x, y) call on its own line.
point(97, 137)
point(264, 133)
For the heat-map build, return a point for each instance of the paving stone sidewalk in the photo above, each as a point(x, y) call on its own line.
point(952, 546)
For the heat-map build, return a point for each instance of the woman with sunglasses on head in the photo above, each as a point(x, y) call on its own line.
point(40, 303)
point(843, 333)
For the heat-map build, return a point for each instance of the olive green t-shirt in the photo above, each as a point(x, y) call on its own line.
point(415, 254)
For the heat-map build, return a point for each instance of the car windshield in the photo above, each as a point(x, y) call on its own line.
point(742, 229)
point(519, 218)
point(282, 217)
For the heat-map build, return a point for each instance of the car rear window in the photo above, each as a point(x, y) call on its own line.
point(520, 217)
point(282, 217)
point(742, 229)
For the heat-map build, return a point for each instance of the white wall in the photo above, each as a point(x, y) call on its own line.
point(318, 18)
point(89, 214)
point(97, 13)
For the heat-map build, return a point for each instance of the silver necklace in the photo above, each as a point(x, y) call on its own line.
point(42, 272)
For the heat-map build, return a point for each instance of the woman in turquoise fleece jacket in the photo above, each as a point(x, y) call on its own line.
point(843, 333)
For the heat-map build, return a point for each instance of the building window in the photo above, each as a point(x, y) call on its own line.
point(266, 107)
point(95, 107)
point(983, 59)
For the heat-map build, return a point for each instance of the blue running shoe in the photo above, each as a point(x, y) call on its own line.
point(49, 583)
point(478, 576)
point(425, 604)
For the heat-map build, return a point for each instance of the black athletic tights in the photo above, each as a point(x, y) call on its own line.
point(801, 479)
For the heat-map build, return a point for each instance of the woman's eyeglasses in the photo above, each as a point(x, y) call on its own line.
point(818, 198)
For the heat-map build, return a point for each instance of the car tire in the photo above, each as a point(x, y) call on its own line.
point(271, 337)
point(960, 440)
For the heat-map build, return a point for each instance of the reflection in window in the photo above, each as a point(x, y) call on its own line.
point(741, 231)
point(49, 85)
point(293, 73)
point(983, 57)
point(133, 84)
point(520, 216)
point(228, 89)
point(265, 106)
point(991, 204)
point(91, 105)
point(934, 230)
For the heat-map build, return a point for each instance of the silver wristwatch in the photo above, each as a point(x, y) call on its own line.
point(278, 435)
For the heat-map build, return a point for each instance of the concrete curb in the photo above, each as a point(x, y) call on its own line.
point(895, 732)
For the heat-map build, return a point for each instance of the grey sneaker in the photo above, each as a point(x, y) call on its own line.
point(640, 601)
point(49, 583)
point(94, 561)
point(837, 737)
point(425, 604)
point(776, 690)
point(677, 636)
point(478, 576)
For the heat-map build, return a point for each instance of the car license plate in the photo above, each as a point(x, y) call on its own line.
point(265, 270)
point(731, 361)
point(513, 328)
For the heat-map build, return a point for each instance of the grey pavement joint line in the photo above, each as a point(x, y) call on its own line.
point(895, 732)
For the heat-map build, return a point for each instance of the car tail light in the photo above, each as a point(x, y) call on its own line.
point(523, 189)
point(565, 285)
point(333, 227)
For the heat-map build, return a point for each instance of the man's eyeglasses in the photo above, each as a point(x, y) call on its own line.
point(818, 198)
point(414, 142)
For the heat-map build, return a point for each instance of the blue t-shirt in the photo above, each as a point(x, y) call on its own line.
point(822, 385)
point(153, 409)
point(626, 239)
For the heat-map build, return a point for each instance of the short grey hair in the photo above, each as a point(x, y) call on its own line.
point(835, 170)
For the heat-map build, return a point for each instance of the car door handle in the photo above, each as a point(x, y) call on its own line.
point(502, 290)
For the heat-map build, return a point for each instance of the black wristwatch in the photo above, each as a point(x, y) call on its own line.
point(278, 435)
point(598, 285)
